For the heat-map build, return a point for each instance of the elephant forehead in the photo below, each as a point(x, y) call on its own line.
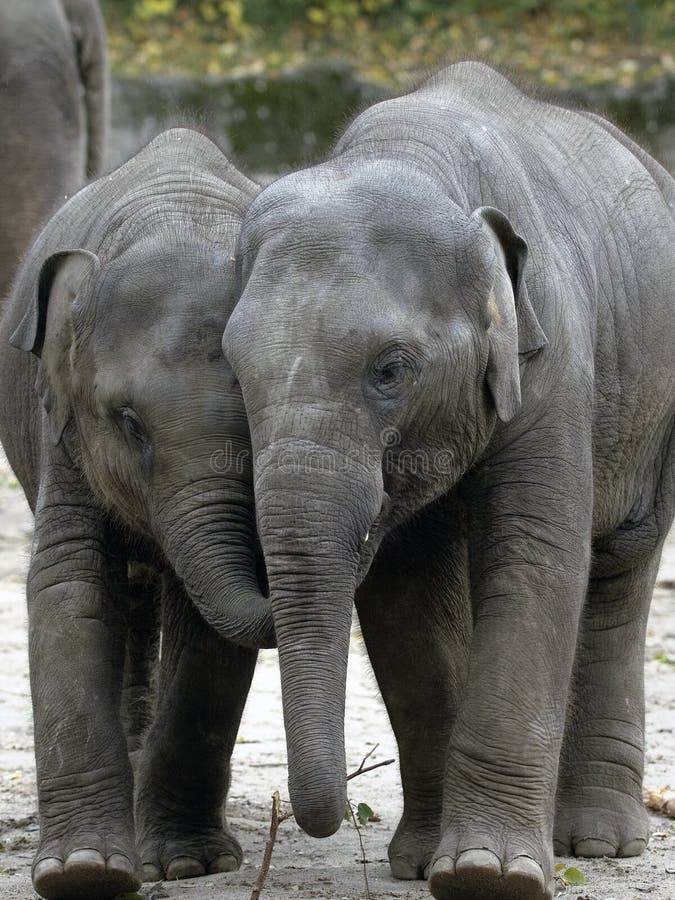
point(364, 207)
point(164, 341)
point(344, 267)
point(351, 305)
point(171, 304)
point(345, 308)
point(366, 269)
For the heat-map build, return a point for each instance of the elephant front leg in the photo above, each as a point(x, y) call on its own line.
point(529, 551)
point(415, 615)
point(184, 771)
point(75, 652)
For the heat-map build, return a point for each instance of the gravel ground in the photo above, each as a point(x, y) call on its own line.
point(302, 867)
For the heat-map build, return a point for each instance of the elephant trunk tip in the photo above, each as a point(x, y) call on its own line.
point(323, 818)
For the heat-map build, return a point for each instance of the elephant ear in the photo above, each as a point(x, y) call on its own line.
point(514, 330)
point(46, 329)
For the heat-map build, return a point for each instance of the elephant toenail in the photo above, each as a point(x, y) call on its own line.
point(441, 876)
point(633, 848)
point(594, 847)
point(47, 868)
point(184, 867)
point(479, 859)
point(444, 865)
point(223, 863)
point(119, 863)
point(151, 873)
point(87, 858)
point(525, 868)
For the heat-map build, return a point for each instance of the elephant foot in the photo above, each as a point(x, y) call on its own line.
point(498, 869)
point(85, 873)
point(478, 874)
point(87, 847)
point(170, 858)
point(411, 850)
point(605, 823)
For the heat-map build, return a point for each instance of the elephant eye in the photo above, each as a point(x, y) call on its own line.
point(131, 425)
point(390, 374)
point(393, 373)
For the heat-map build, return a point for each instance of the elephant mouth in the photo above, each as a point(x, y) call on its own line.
point(372, 541)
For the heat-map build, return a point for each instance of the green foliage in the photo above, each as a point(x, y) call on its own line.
point(152, 12)
point(561, 43)
point(363, 814)
point(633, 16)
point(665, 658)
point(275, 15)
point(570, 876)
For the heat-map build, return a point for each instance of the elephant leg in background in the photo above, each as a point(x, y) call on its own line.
point(184, 770)
point(599, 806)
point(76, 647)
point(141, 593)
point(415, 615)
point(600, 811)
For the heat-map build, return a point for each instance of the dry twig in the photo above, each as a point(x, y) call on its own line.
point(278, 817)
point(363, 768)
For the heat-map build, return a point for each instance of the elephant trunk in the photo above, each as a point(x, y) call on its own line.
point(209, 538)
point(312, 527)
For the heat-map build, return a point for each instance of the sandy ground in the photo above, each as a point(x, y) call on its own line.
point(302, 867)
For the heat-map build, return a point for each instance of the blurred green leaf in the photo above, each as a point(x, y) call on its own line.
point(363, 813)
point(573, 877)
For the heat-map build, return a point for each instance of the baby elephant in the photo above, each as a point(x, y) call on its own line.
point(127, 432)
point(483, 444)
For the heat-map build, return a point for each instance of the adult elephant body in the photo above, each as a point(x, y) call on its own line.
point(53, 108)
point(485, 445)
point(122, 422)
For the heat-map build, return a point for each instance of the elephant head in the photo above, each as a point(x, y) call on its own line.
point(133, 380)
point(377, 344)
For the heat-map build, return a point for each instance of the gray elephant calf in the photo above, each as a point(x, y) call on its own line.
point(487, 445)
point(53, 107)
point(118, 414)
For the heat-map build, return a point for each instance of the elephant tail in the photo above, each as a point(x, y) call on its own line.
point(86, 23)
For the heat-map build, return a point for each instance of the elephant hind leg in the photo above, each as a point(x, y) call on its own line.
point(415, 615)
point(599, 806)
